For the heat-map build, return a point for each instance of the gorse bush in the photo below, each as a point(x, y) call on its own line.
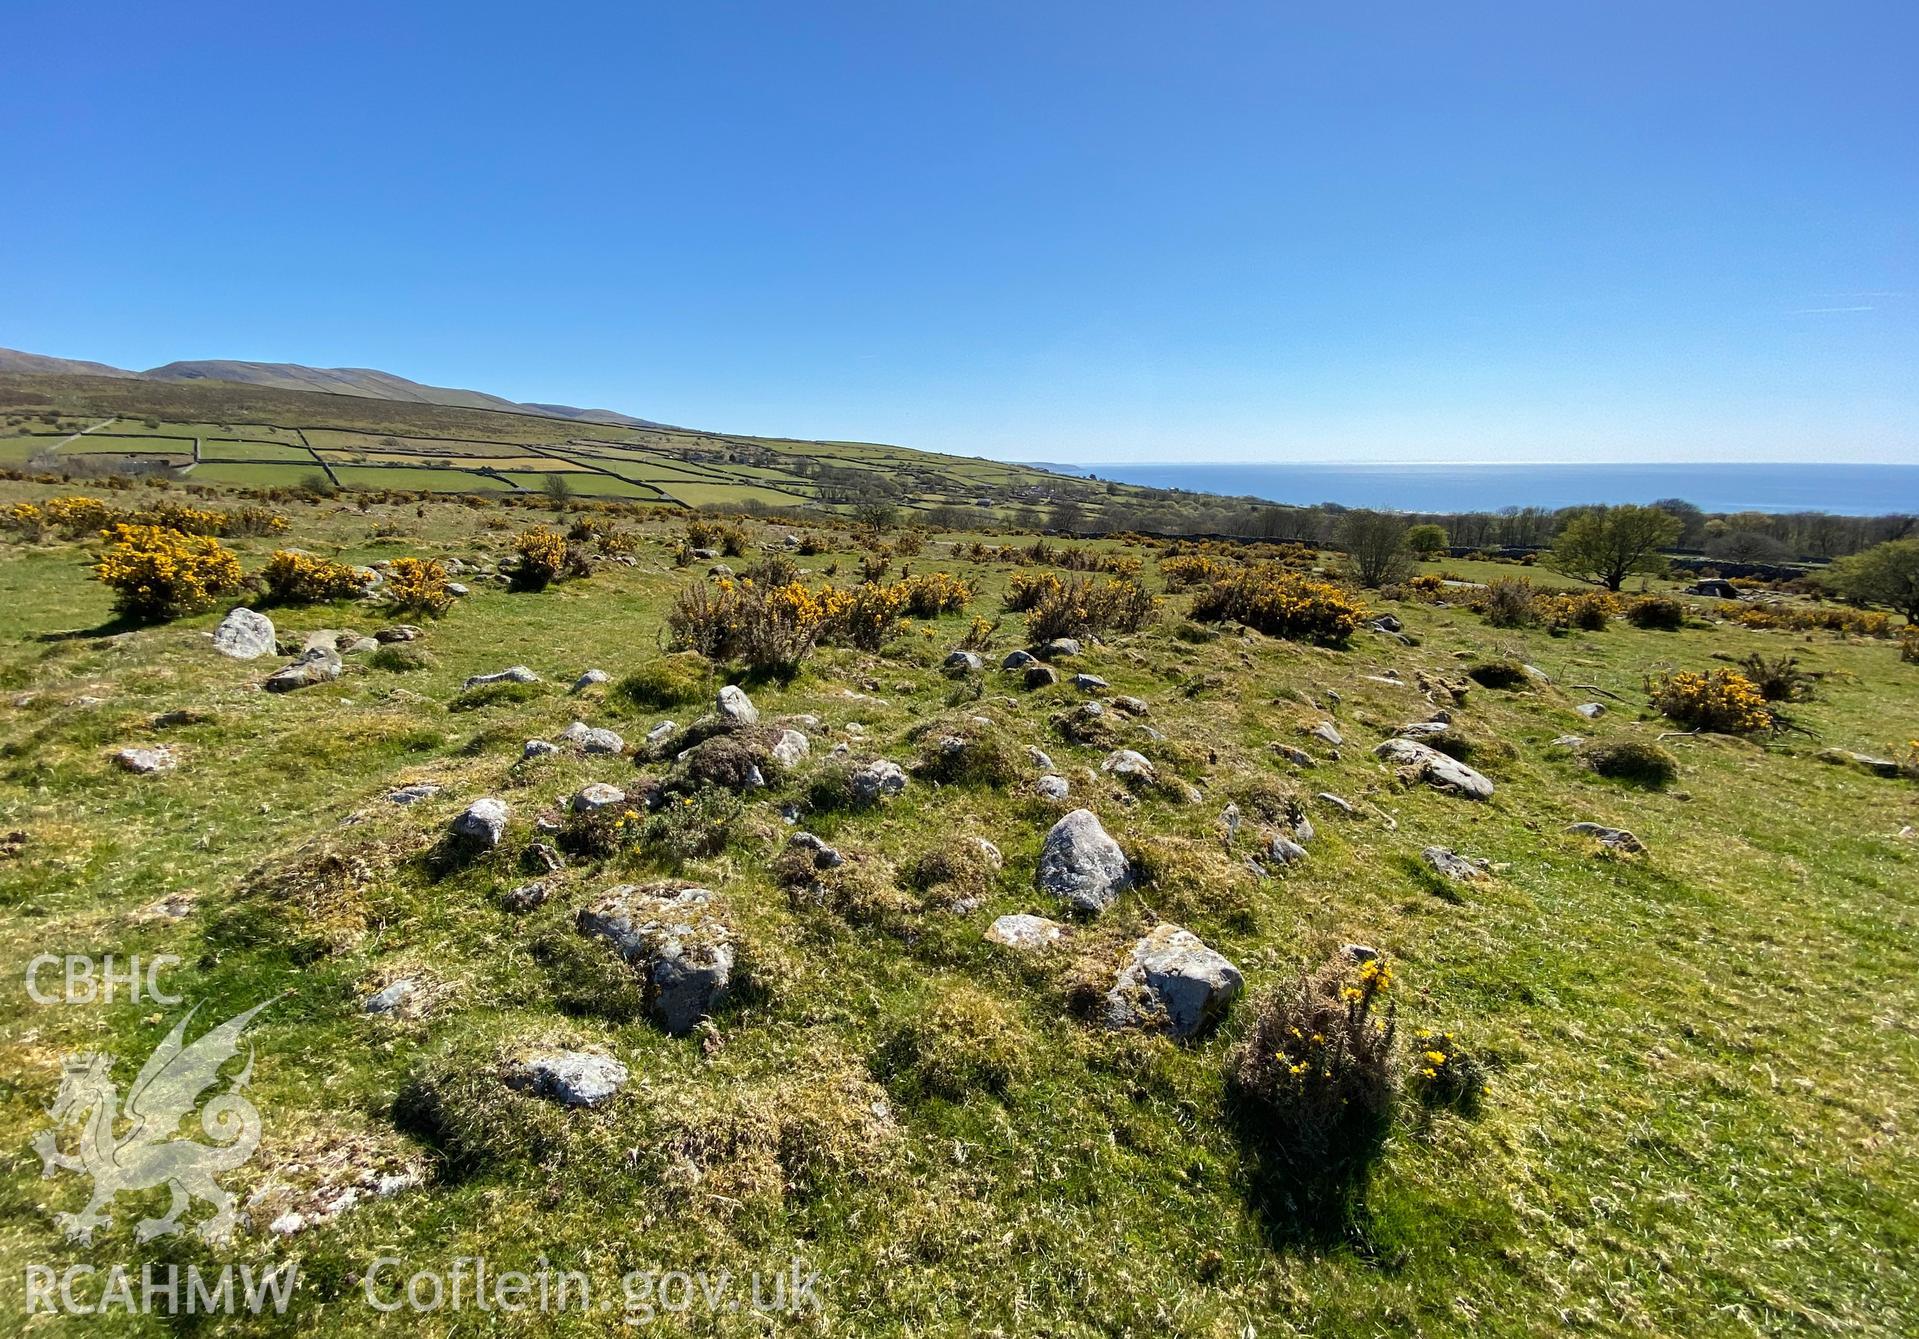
point(1778, 679)
point(302, 578)
point(1808, 618)
point(539, 556)
point(936, 593)
point(1443, 1075)
point(1658, 612)
point(78, 516)
point(1186, 571)
point(1027, 589)
point(1509, 602)
point(418, 586)
point(764, 627)
point(1080, 606)
point(1589, 611)
point(1281, 603)
point(1720, 700)
point(159, 573)
point(1314, 1080)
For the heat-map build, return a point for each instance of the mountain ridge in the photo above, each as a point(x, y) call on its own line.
point(365, 382)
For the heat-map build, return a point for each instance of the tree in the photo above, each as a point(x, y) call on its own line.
point(1749, 546)
point(1069, 516)
point(1427, 539)
point(1885, 574)
point(558, 490)
point(1375, 544)
point(1692, 521)
point(1605, 545)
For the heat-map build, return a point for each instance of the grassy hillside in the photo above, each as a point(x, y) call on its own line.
point(1700, 1063)
point(229, 433)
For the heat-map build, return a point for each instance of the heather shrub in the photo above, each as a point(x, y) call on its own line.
point(1640, 763)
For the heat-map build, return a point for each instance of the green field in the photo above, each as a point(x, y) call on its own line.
point(1701, 1061)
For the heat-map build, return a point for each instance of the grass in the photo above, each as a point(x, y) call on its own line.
point(1701, 1061)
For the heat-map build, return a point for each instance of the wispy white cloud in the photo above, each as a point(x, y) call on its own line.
point(1826, 311)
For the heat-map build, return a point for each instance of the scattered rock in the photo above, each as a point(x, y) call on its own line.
point(1388, 623)
point(1018, 660)
point(244, 635)
point(1360, 952)
point(399, 632)
point(1885, 767)
point(1328, 733)
point(1131, 706)
point(537, 748)
point(1617, 838)
point(1448, 864)
point(595, 797)
point(1090, 683)
point(661, 731)
point(458, 589)
point(1058, 647)
point(172, 720)
point(1082, 864)
point(1298, 757)
point(1284, 849)
point(482, 823)
point(320, 665)
point(1129, 764)
point(988, 851)
point(413, 794)
point(1592, 711)
point(1023, 932)
point(1173, 983)
point(1569, 741)
point(791, 748)
point(824, 856)
point(1425, 729)
point(571, 1078)
point(1039, 676)
point(525, 897)
point(592, 740)
point(1436, 769)
point(1344, 806)
point(543, 857)
point(1039, 758)
point(1052, 787)
point(588, 679)
point(877, 780)
point(964, 661)
point(675, 939)
point(145, 762)
point(736, 706)
point(512, 674)
point(386, 1001)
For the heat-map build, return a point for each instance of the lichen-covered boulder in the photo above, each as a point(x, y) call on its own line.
point(571, 1078)
point(675, 938)
point(1081, 864)
point(244, 635)
point(1424, 763)
point(1172, 983)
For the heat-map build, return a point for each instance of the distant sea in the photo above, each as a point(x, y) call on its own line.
point(1849, 490)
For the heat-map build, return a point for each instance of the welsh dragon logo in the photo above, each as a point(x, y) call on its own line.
point(149, 1154)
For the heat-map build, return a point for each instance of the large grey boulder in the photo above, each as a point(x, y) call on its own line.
point(675, 940)
point(1436, 769)
point(482, 823)
point(1172, 983)
point(736, 706)
point(1082, 864)
point(319, 665)
point(571, 1078)
point(244, 635)
point(877, 780)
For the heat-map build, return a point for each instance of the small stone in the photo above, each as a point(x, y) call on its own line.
point(571, 1078)
point(1017, 660)
point(1327, 732)
point(458, 589)
point(512, 674)
point(661, 731)
point(791, 748)
point(588, 679)
point(966, 662)
point(990, 852)
point(319, 665)
point(593, 798)
point(1089, 683)
point(735, 705)
point(1296, 756)
point(1039, 676)
point(386, 1001)
point(1285, 850)
point(1023, 932)
point(537, 748)
point(482, 823)
point(877, 780)
point(244, 635)
point(1616, 838)
point(399, 632)
point(543, 857)
point(1436, 769)
point(1052, 787)
point(525, 897)
point(1592, 711)
point(1360, 952)
point(1039, 758)
point(1131, 706)
point(145, 762)
point(1058, 647)
point(1448, 864)
point(674, 940)
point(1129, 764)
point(824, 856)
point(592, 740)
point(413, 794)
point(1344, 806)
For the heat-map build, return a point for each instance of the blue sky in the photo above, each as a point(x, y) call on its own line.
point(1073, 232)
